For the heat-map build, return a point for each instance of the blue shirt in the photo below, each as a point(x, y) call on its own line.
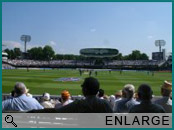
point(21, 103)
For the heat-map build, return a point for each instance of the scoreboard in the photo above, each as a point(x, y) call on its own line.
point(157, 56)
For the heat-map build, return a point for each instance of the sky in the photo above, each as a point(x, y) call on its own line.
point(71, 26)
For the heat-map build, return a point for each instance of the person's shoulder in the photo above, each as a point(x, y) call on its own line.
point(32, 100)
point(134, 108)
point(158, 101)
point(102, 100)
point(136, 102)
point(158, 107)
point(7, 101)
point(122, 101)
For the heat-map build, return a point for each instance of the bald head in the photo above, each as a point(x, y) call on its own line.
point(20, 88)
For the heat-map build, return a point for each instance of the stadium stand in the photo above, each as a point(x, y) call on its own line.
point(123, 64)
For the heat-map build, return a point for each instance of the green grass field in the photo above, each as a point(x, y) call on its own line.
point(39, 81)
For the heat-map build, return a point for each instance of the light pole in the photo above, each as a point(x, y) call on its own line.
point(25, 38)
point(160, 43)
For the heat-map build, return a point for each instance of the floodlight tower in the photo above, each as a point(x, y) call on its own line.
point(160, 43)
point(25, 38)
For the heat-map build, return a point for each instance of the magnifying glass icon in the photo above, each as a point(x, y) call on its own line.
point(9, 119)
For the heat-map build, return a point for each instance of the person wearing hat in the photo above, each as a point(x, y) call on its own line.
point(165, 101)
point(46, 103)
point(127, 101)
point(21, 102)
point(65, 99)
point(91, 104)
point(146, 106)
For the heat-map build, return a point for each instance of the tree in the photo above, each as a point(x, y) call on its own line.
point(144, 57)
point(135, 55)
point(36, 53)
point(17, 52)
point(48, 52)
point(8, 52)
point(11, 53)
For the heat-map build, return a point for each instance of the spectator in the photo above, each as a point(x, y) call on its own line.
point(91, 104)
point(20, 102)
point(165, 101)
point(118, 95)
point(112, 100)
point(145, 95)
point(136, 97)
point(106, 97)
point(65, 99)
point(13, 94)
point(46, 103)
point(101, 94)
point(124, 105)
point(27, 93)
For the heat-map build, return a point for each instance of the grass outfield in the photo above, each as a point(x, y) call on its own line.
point(39, 81)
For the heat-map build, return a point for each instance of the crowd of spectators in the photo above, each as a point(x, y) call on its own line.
point(135, 62)
point(127, 100)
point(7, 66)
point(46, 63)
point(52, 63)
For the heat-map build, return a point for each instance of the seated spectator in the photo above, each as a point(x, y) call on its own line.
point(101, 93)
point(118, 95)
point(20, 102)
point(91, 104)
point(145, 95)
point(46, 101)
point(124, 105)
point(106, 97)
point(136, 97)
point(165, 101)
point(27, 93)
point(65, 99)
point(13, 94)
point(112, 100)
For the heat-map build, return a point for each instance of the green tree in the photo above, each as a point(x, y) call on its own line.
point(8, 52)
point(136, 55)
point(144, 57)
point(17, 52)
point(48, 52)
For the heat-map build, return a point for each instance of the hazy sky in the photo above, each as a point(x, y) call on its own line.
point(69, 27)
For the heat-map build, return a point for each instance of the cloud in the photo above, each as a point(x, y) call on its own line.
point(93, 30)
point(52, 43)
point(12, 44)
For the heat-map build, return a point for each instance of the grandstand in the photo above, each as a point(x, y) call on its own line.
point(97, 58)
point(115, 64)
